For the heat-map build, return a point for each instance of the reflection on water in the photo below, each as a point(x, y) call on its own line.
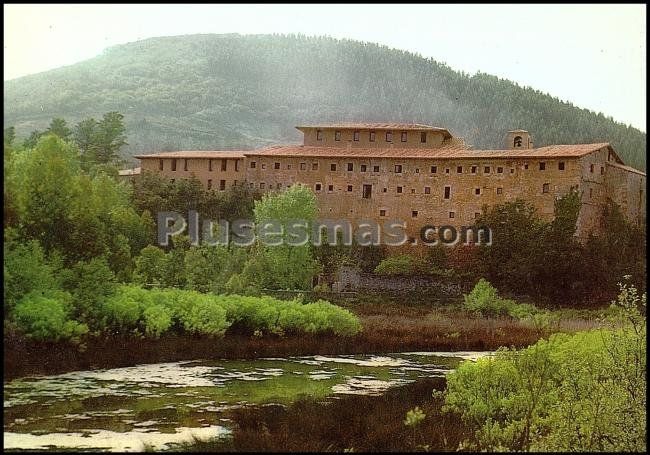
point(159, 405)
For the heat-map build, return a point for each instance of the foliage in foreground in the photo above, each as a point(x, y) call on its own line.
point(582, 392)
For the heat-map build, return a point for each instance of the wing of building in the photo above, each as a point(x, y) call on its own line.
point(420, 174)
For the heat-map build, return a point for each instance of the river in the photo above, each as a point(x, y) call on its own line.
point(156, 406)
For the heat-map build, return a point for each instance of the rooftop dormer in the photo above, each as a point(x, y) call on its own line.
point(519, 139)
point(370, 135)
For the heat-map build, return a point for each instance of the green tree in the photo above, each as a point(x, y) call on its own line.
point(9, 135)
point(59, 128)
point(111, 137)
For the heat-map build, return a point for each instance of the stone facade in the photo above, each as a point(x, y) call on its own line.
point(420, 175)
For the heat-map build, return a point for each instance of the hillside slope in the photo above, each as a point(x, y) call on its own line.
point(233, 92)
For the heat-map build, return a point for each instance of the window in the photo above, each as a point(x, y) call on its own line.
point(350, 167)
point(385, 189)
point(349, 188)
point(389, 136)
point(330, 188)
point(545, 188)
point(237, 166)
point(332, 167)
point(222, 185)
point(375, 169)
point(263, 165)
point(414, 213)
point(174, 161)
point(355, 136)
point(486, 170)
point(382, 213)
point(591, 192)
point(459, 169)
point(399, 189)
point(447, 170)
point(417, 170)
point(209, 184)
point(372, 136)
point(364, 168)
point(210, 165)
point(317, 186)
point(427, 190)
point(499, 170)
point(412, 190)
point(517, 141)
point(602, 170)
point(252, 185)
point(278, 186)
point(526, 166)
point(253, 164)
point(337, 135)
point(303, 166)
point(591, 168)
point(276, 165)
point(499, 190)
point(542, 166)
point(319, 135)
point(262, 185)
point(224, 165)
point(473, 169)
point(161, 165)
point(367, 191)
point(288, 165)
point(447, 192)
point(477, 214)
point(560, 165)
point(423, 137)
point(452, 214)
point(512, 170)
point(477, 191)
point(314, 166)
point(404, 136)
point(434, 169)
point(398, 168)
point(185, 164)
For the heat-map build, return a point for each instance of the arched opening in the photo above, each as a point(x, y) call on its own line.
point(517, 141)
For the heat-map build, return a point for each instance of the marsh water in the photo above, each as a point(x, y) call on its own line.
point(157, 406)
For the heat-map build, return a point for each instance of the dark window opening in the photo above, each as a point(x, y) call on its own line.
point(161, 165)
point(318, 186)
point(330, 188)
point(382, 213)
point(375, 169)
point(602, 170)
point(185, 164)
point(499, 190)
point(224, 165)
point(452, 214)
point(237, 166)
point(389, 136)
point(350, 167)
point(399, 189)
point(337, 135)
point(349, 188)
point(253, 164)
point(398, 168)
point(447, 192)
point(486, 170)
point(276, 165)
point(427, 190)
point(209, 184)
point(423, 137)
point(591, 168)
point(314, 166)
point(517, 141)
point(364, 168)
point(222, 185)
point(542, 166)
point(473, 169)
point(319, 135)
point(355, 136)
point(477, 214)
point(414, 213)
point(174, 162)
point(560, 165)
point(499, 170)
point(434, 169)
point(303, 166)
point(367, 191)
point(372, 136)
point(459, 169)
point(404, 136)
point(332, 167)
point(545, 188)
point(447, 170)
point(477, 191)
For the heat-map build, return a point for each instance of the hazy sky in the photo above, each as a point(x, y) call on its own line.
point(591, 55)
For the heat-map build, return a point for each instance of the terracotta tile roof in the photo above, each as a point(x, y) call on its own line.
point(127, 172)
point(627, 168)
point(377, 126)
point(449, 152)
point(195, 154)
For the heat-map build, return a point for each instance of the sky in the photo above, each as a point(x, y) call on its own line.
point(591, 55)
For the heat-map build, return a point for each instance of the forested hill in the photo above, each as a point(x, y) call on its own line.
point(234, 92)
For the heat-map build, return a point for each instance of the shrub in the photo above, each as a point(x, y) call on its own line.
point(206, 317)
point(401, 265)
point(44, 316)
point(157, 320)
point(583, 392)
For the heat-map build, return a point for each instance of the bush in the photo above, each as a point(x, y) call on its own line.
point(484, 300)
point(206, 317)
point(157, 320)
point(583, 392)
point(45, 317)
point(401, 265)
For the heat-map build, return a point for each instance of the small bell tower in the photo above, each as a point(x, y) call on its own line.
point(519, 139)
